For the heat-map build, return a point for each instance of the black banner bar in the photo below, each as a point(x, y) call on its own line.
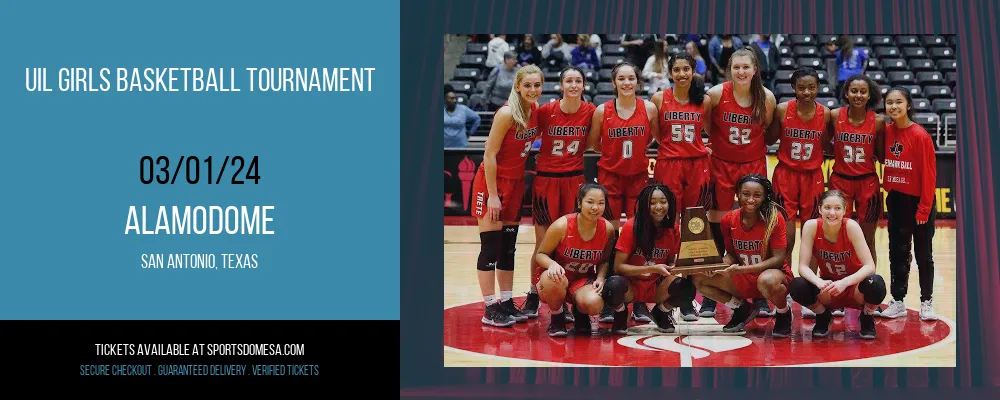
point(240, 352)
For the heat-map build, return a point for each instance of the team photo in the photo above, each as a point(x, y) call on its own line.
point(683, 200)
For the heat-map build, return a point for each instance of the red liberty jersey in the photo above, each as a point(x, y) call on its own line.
point(748, 245)
point(564, 137)
point(680, 129)
point(624, 141)
point(735, 136)
point(854, 146)
point(665, 246)
point(515, 148)
point(800, 147)
point(836, 260)
point(579, 257)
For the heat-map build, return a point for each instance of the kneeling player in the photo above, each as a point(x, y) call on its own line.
point(847, 271)
point(646, 252)
point(573, 258)
point(755, 240)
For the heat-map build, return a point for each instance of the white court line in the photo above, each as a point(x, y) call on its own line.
point(949, 339)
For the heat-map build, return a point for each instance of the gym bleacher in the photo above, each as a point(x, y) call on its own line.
point(924, 64)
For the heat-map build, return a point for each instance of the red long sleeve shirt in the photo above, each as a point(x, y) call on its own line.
point(911, 165)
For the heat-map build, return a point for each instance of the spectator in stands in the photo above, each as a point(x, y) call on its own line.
point(850, 61)
point(767, 53)
point(495, 51)
point(700, 69)
point(656, 70)
point(595, 42)
point(500, 82)
point(584, 56)
point(528, 52)
point(556, 43)
point(456, 120)
point(720, 49)
point(638, 48)
point(556, 53)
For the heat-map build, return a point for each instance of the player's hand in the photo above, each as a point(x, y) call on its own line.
point(728, 272)
point(663, 269)
point(556, 272)
point(598, 285)
point(836, 288)
point(823, 285)
point(708, 146)
point(493, 207)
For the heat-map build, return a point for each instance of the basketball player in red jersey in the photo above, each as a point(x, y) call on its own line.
point(742, 110)
point(846, 268)
point(757, 253)
point(799, 126)
point(858, 137)
point(621, 130)
point(574, 261)
point(563, 126)
point(646, 251)
point(497, 191)
point(682, 162)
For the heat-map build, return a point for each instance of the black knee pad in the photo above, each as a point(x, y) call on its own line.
point(803, 292)
point(506, 262)
point(615, 287)
point(873, 287)
point(489, 253)
point(681, 292)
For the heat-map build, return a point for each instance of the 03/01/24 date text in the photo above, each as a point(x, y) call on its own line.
point(161, 170)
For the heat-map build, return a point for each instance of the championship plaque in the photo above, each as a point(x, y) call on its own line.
point(697, 252)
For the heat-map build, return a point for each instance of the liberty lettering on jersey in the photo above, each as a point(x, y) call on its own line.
point(658, 254)
point(526, 134)
point(564, 131)
point(682, 116)
point(834, 256)
point(628, 131)
point(795, 133)
point(856, 138)
point(747, 245)
point(578, 254)
point(736, 118)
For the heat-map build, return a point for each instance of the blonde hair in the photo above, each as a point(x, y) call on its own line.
point(517, 110)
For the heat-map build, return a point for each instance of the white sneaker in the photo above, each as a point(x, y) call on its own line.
point(927, 311)
point(807, 313)
point(896, 309)
point(838, 312)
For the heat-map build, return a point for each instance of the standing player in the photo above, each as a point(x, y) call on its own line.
point(497, 191)
point(645, 254)
point(621, 130)
point(574, 258)
point(563, 126)
point(910, 178)
point(742, 110)
point(846, 268)
point(858, 136)
point(800, 125)
point(682, 162)
point(756, 251)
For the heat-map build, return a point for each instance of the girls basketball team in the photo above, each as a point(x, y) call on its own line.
point(585, 265)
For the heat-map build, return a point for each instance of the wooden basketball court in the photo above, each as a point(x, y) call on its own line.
point(901, 342)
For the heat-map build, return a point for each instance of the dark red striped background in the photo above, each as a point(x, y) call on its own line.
point(425, 22)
